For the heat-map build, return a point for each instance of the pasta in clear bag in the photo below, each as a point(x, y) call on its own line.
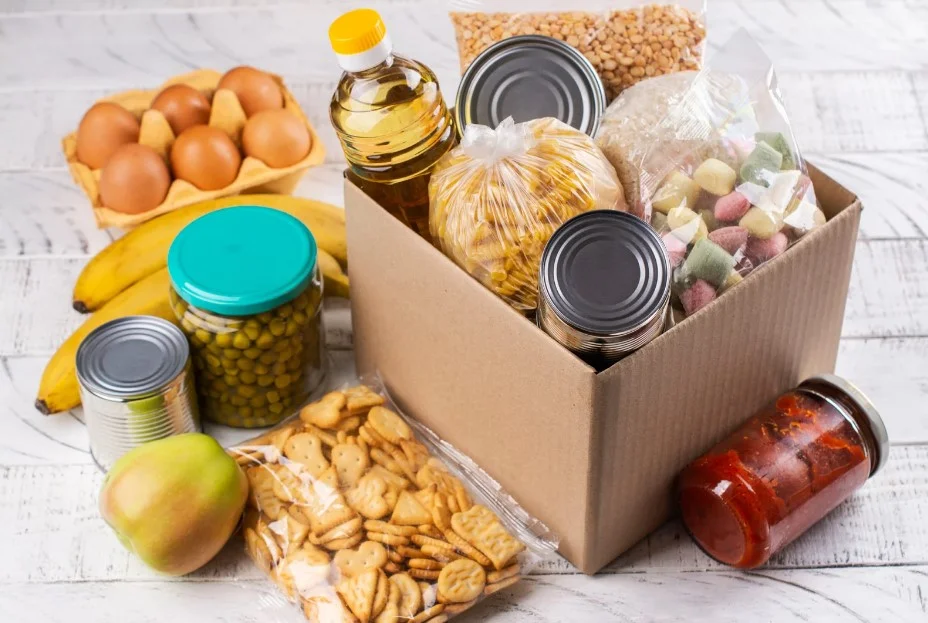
point(496, 198)
point(359, 514)
point(711, 159)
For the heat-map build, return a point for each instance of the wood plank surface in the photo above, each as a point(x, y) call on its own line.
point(825, 596)
point(130, 48)
point(48, 515)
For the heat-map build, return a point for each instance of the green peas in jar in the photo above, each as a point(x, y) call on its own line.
point(247, 291)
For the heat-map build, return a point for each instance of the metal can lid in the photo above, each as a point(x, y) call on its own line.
point(874, 421)
point(529, 77)
point(605, 273)
point(132, 357)
point(242, 260)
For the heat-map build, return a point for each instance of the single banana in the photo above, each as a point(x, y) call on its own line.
point(334, 279)
point(144, 250)
point(58, 390)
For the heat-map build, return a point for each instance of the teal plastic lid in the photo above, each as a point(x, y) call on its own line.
point(241, 261)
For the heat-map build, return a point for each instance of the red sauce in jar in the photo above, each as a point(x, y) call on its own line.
point(781, 471)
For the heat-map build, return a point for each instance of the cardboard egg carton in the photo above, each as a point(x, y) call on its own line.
point(226, 114)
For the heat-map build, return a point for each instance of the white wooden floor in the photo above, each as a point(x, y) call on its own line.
point(855, 76)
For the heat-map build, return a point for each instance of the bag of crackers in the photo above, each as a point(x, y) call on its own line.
point(495, 199)
point(359, 514)
point(710, 156)
point(625, 40)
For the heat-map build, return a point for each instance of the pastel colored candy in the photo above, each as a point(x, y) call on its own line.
point(716, 177)
point(733, 279)
point(760, 250)
point(732, 239)
point(678, 190)
point(709, 219)
point(676, 250)
point(697, 296)
point(761, 164)
point(778, 141)
point(686, 225)
point(709, 262)
point(761, 224)
point(659, 221)
point(731, 207)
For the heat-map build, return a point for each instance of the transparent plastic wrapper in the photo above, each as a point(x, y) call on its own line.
point(496, 199)
point(358, 513)
point(625, 40)
point(719, 175)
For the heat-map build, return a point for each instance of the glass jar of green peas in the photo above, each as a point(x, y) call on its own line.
point(247, 291)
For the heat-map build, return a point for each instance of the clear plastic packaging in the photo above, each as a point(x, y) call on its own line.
point(625, 40)
point(358, 513)
point(719, 174)
point(496, 199)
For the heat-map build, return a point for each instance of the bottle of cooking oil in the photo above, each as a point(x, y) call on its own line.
point(390, 117)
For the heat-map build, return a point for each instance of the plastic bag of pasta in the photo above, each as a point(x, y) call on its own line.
point(359, 514)
point(710, 157)
point(496, 199)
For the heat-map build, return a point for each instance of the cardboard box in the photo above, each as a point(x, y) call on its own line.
point(593, 455)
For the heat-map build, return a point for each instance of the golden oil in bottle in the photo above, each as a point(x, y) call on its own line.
point(390, 118)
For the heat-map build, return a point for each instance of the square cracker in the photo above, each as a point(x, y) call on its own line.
point(325, 507)
point(482, 529)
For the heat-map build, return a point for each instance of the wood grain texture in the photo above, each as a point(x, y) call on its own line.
point(885, 595)
point(36, 314)
point(48, 513)
point(112, 49)
point(889, 290)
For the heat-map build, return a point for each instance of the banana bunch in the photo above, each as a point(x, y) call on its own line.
point(130, 277)
point(144, 250)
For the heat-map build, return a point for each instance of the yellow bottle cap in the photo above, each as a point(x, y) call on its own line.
point(357, 31)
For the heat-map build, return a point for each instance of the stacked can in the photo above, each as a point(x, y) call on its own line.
point(136, 385)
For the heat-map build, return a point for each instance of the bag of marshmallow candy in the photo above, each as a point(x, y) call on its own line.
point(719, 175)
point(360, 514)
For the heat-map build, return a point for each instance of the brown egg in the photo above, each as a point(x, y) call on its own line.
point(255, 90)
point(104, 128)
point(183, 106)
point(276, 137)
point(134, 180)
point(206, 157)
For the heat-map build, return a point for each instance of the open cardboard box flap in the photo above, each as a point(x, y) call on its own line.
point(592, 455)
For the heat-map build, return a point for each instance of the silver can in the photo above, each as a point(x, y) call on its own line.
point(136, 385)
point(604, 286)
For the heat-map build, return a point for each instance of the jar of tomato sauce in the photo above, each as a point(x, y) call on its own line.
point(782, 471)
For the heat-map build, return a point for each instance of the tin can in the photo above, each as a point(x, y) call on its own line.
point(136, 385)
point(604, 286)
point(529, 77)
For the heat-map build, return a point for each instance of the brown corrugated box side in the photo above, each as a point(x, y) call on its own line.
point(592, 455)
